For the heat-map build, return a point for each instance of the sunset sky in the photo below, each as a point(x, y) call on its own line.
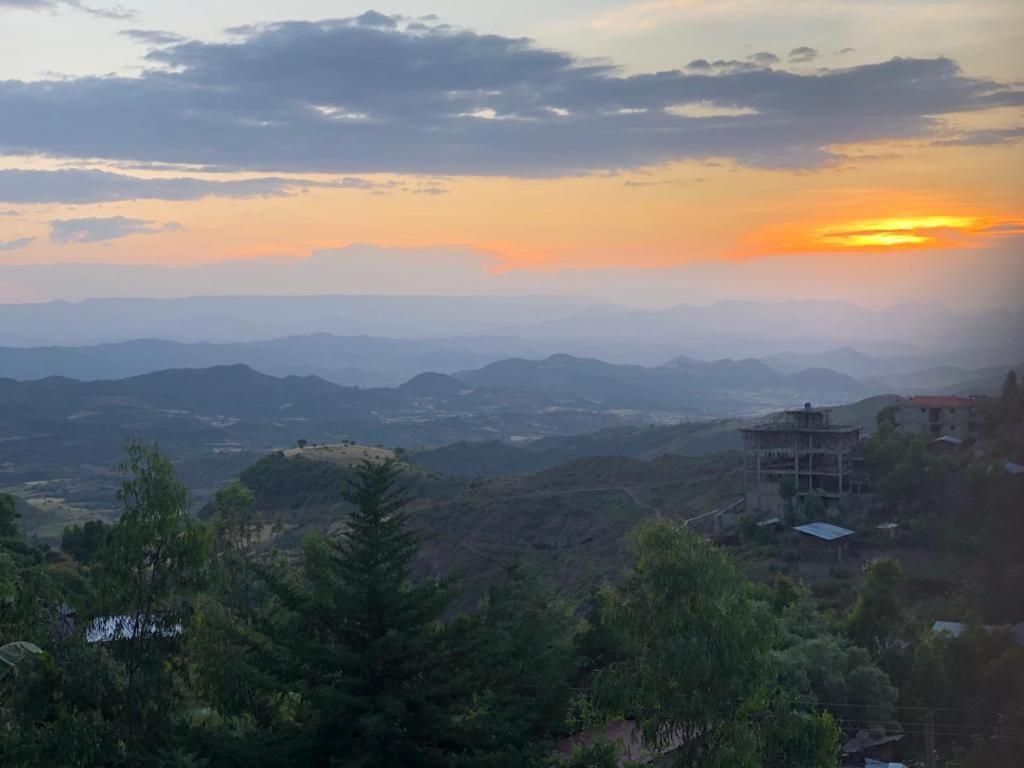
point(654, 150)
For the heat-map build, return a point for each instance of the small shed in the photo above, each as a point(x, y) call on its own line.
point(824, 542)
point(868, 746)
point(947, 445)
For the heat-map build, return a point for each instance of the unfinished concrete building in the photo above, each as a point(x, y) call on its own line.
point(805, 445)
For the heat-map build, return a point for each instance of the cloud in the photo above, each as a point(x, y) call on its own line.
point(114, 12)
point(94, 230)
point(844, 51)
point(355, 96)
point(1004, 228)
point(802, 54)
point(764, 58)
point(375, 19)
point(13, 245)
point(642, 16)
point(79, 186)
point(153, 36)
point(983, 137)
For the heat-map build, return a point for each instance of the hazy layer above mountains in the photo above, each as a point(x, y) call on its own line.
point(254, 318)
point(420, 333)
point(961, 277)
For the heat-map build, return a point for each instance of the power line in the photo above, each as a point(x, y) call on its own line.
point(897, 707)
point(901, 723)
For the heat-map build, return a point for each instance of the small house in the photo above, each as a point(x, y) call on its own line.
point(824, 542)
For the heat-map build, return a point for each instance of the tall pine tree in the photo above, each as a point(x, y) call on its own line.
point(365, 642)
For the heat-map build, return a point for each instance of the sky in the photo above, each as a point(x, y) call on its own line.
point(647, 151)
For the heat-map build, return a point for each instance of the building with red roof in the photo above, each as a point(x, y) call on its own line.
point(939, 416)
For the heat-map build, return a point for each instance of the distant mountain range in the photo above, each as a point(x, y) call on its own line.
point(511, 415)
point(63, 427)
point(495, 327)
point(351, 360)
point(737, 386)
point(726, 325)
point(257, 318)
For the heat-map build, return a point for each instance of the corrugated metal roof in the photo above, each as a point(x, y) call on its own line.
point(825, 531)
point(957, 628)
point(954, 628)
point(105, 629)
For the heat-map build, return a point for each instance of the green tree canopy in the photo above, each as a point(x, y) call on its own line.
point(147, 575)
point(695, 649)
point(82, 542)
point(877, 621)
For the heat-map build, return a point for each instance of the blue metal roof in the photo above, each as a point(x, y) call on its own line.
point(825, 531)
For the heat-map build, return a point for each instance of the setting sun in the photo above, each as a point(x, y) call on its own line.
point(914, 230)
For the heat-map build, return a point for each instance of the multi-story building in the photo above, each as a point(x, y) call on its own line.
point(938, 416)
point(805, 445)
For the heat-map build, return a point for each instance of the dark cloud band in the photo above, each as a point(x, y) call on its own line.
point(95, 230)
point(382, 94)
point(80, 186)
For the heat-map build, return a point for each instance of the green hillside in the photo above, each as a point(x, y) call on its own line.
point(572, 519)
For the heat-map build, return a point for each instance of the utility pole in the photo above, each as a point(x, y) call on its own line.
point(929, 741)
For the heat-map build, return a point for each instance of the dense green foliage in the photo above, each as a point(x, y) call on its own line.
point(696, 668)
point(82, 542)
point(198, 643)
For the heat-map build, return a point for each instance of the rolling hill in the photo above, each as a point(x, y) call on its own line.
point(573, 519)
point(65, 436)
point(493, 458)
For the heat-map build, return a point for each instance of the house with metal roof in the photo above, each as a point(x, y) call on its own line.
point(824, 542)
point(957, 628)
point(109, 629)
